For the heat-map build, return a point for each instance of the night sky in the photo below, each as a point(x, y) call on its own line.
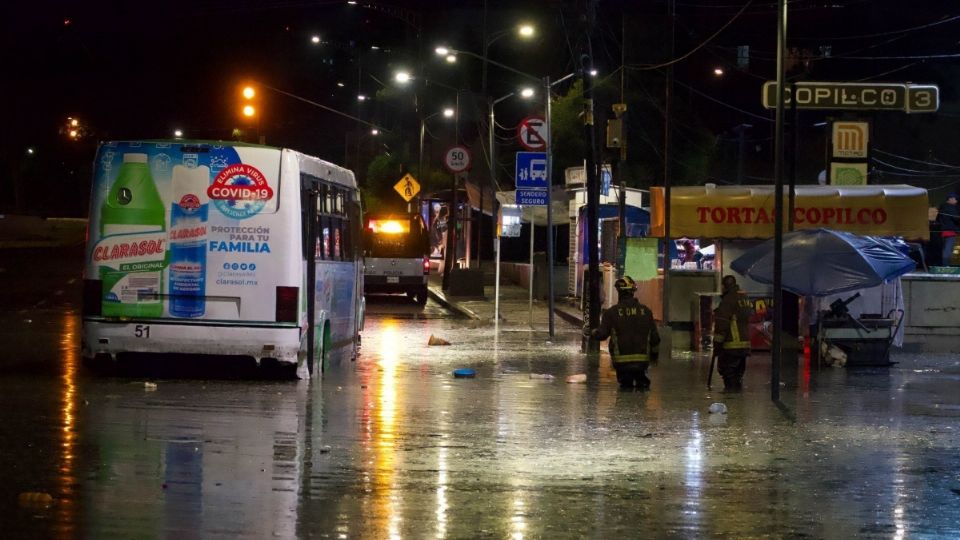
point(140, 70)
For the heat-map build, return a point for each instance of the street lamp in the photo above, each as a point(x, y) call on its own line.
point(547, 85)
point(447, 112)
point(402, 77)
point(525, 93)
point(524, 31)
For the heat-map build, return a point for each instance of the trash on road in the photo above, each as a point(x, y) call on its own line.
point(578, 378)
point(35, 499)
point(434, 340)
point(544, 376)
point(464, 373)
point(149, 386)
point(718, 408)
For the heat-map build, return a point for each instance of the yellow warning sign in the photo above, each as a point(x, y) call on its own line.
point(407, 187)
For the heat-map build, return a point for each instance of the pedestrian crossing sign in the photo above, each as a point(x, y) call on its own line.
point(407, 187)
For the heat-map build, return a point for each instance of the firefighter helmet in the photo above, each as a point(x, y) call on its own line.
point(625, 284)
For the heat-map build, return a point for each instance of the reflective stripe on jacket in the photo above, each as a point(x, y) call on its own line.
point(733, 340)
point(632, 331)
point(731, 320)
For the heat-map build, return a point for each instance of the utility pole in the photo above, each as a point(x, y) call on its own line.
point(777, 351)
point(619, 111)
point(667, 170)
point(593, 187)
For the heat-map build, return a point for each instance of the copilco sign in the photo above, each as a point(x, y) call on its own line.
point(911, 98)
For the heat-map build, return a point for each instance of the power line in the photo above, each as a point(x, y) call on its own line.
point(641, 67)
point(715, 100)
point(888, 33)
point(919, 172)
point(904, 158)
point(894, 70)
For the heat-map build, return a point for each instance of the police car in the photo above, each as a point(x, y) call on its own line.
point(396, 256)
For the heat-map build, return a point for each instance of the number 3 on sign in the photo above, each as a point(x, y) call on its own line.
point(142, 331)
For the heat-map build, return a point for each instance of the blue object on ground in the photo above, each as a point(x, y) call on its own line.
point(819, 262)
point(464, 373)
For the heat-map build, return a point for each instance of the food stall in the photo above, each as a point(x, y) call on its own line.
point(740, 217)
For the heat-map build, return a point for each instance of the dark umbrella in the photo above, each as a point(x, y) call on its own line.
point(818, 262)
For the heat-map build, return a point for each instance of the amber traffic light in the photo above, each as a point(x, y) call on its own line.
point(248, 106)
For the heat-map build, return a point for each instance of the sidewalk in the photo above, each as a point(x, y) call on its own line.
point(516, 310)
point(35, 232)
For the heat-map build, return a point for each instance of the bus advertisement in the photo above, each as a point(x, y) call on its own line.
point(208, 249)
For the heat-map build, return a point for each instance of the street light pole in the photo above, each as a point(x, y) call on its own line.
point(776, 353)
point(450, 256)
point(550, 300)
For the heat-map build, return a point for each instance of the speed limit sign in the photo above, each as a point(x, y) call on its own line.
point(457, 159)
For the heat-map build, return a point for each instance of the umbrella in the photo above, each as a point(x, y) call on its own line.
point(818, 262)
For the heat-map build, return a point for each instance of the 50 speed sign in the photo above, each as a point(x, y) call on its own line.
point(457, 159)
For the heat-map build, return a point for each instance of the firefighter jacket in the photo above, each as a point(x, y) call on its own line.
point(632, 332)
point(731, 318)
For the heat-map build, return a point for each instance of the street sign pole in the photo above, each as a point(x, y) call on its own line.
point(530, 281)
point(496, 287)
point(546, 92)
point(456, 160)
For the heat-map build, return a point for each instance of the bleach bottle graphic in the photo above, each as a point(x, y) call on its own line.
point(132, 249)
point(188, 239)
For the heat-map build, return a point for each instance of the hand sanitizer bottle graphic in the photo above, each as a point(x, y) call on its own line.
point(188, 239)
point(133, 213)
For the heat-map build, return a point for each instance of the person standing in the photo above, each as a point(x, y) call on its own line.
point(949, 220)
point(634, 339)
point(730, 334)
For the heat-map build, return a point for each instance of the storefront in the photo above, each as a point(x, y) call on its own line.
point(739, 217)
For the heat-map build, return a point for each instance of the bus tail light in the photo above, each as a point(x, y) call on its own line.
point(426, 265)
point(92, 297)
point(287, 298)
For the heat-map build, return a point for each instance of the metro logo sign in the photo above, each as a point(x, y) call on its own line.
point(850, 139)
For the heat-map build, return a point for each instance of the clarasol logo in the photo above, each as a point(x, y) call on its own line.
point(240, 191)
point(189, 202)
point(131, 248)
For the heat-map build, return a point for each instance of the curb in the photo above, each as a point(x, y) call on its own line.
point(440, 298)
point(569, 317)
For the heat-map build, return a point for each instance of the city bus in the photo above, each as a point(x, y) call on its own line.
point(215, 249)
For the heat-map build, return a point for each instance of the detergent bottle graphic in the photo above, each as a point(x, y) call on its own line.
point(133, 245)
point(188, 236)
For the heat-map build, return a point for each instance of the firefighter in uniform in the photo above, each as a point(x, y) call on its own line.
point(634, 339)
point(730, 339)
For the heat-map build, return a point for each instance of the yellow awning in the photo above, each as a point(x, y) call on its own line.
point(747, 211)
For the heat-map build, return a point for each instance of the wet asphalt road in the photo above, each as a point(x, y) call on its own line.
point(392, 446)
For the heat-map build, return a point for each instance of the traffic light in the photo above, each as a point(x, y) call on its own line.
point(249, 103)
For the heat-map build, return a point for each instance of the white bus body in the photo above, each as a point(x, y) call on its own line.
point(221, 249)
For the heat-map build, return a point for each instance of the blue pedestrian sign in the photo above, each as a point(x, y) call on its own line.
point(532, 170)
point(532, 197)
point(606, 176)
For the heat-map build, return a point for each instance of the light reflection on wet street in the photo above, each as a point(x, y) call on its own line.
point(392, 446)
